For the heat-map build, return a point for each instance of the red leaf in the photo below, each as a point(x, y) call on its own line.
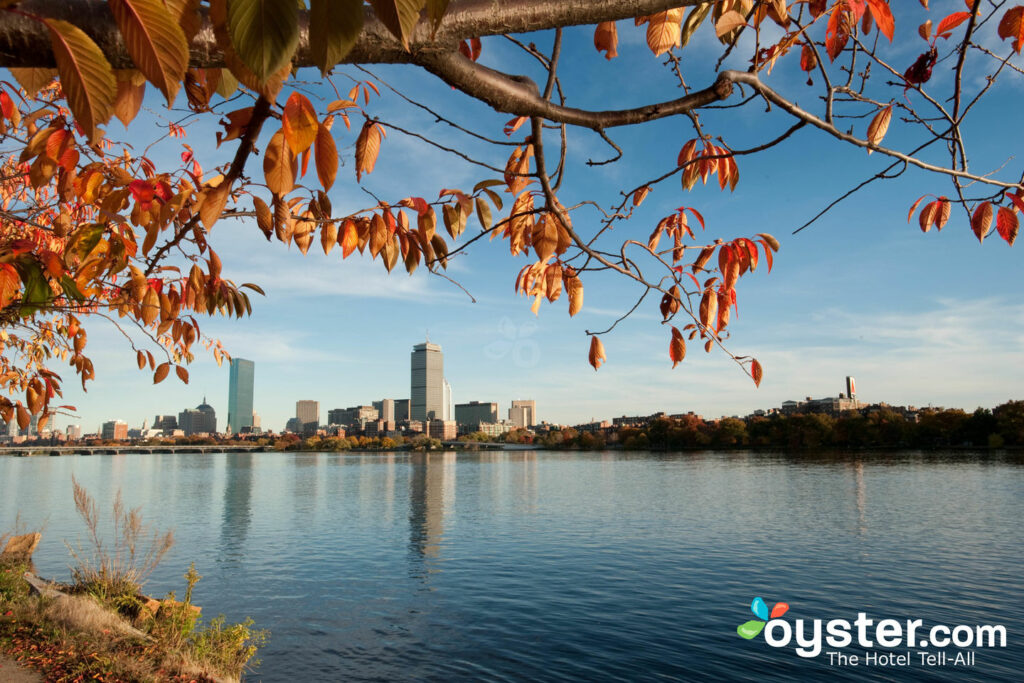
point(883, 17)
point(1012, 26)
point(1007, 224)
point(946, 26)
point(1017, 199)
point(756, 372)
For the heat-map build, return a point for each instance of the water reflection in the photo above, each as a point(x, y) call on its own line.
point(432, 482)
point(237, 516)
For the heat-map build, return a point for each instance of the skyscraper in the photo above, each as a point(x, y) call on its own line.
point(427, 385)
point(240, 390)
point(307, 412)
point(449, 411)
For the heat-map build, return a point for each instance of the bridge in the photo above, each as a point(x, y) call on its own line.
point(25, 451)
point(490, 445)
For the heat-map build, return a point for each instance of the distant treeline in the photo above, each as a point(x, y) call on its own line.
point(875, 428)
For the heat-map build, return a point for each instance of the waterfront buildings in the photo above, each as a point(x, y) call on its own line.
point(446, 430)
point(115, 430)
point(523, 413)
point(385, 409)
point(240, 394)
point(202, 420)
point(427, 393)
point(475, 411)
point(401, 409)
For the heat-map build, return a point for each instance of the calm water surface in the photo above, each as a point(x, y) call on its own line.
point(562, 567)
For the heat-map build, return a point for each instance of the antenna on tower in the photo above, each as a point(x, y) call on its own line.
point(428, 335)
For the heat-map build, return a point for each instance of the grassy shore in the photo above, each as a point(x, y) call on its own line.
point(102, 627)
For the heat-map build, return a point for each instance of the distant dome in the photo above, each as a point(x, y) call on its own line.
point(205, 407)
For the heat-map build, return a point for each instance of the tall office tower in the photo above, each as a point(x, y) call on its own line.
point(523, 413)
point(307, 411)
point(449, 411)
point(851, 388)
point(385, 409)
point(427, 385)
point(240, 387)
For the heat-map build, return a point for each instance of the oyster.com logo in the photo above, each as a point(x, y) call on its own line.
point(752, 628)
point(905, 642)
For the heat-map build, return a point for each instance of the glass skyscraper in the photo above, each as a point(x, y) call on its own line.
point(240, 388)
point(427, 385)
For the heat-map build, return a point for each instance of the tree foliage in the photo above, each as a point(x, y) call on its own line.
point(91, 227)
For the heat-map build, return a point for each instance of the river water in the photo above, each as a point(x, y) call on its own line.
point(555, 566)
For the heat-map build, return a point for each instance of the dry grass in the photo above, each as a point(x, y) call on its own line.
point(120, 567)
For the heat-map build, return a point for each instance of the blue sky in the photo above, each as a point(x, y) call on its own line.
point(917, 318)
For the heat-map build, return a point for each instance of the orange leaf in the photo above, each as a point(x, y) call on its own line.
point(942, 215)
point(664, 30)
point(279, 165)
point(928, 215)
point(677, 348)
point(182, 373)
point(10, 283)
point(879, 125)
point(299, 123)
point(883, 17)
point(981, 221)
point(155, 41)
point(326, 157)
point(925, 30)
point(596, 352)
point(161, 372)
point(756, 372)
point(606, 39)
point(86, 76)
point(946, 26)
point(367, 148)
point(349, 238)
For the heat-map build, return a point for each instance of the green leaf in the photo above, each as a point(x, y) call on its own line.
point(37, 290)
point(334, 26)
point(750, 629)
point(154, 41)
point(399, 16)
point(227, 85)
point(85, 75)
point(71, 289)
point(264, 33)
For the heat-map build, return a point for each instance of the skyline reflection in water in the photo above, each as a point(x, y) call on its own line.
point(559, 566)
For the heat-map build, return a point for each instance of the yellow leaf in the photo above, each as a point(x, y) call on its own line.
point(878, 126)
point(399, 16)
point(155, 42)
point(85, 76)
point(664, 31)
point(279, 165)
point(299, 123)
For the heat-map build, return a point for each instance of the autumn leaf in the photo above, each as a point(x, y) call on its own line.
point(435, 12)
point(677, 348)
point(709, 309)
point(664, 31)
point(399, 16)
point(182, 373)
point(596, 355)
point(756, 372)
point(264, 219)
point(574, 288)
point(131, 88)
point(729, 21)
point(33, 79)
point(878, 126)
point(161, 372)
point(946, 26)
point(155, 42)
point(299, 123)
point(640, 195)
point(925, 30)
point(1012, 26)
point(883, 17)
point(606, 39)
point(1007, 224)
point(279, 165)
point(326, 157)
point(10, 283)
point(85, 76)
point(264, 34)
point(334, 26)
point(981, 221)
point(214, 201)
point(367, 148)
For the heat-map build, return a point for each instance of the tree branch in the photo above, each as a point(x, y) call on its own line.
point(26, 43)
